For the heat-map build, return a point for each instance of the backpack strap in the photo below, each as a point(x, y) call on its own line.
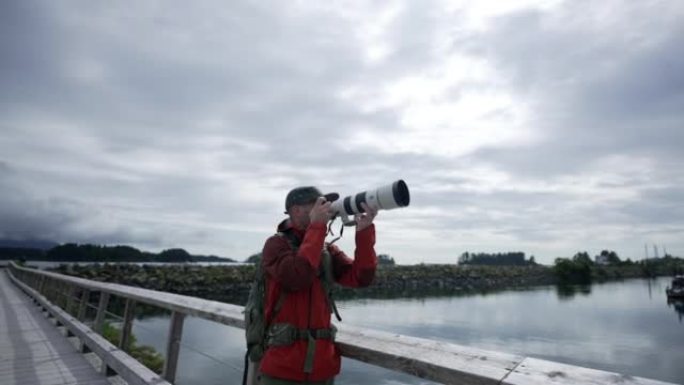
point(328, 281)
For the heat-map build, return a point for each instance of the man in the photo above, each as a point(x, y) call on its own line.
point(297, 303)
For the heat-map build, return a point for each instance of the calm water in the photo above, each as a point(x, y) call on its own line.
point(625, 327)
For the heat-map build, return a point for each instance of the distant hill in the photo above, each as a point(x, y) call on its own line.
point(72, 252)
point(28, 244)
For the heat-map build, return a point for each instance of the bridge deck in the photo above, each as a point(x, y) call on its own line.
point(32, 350)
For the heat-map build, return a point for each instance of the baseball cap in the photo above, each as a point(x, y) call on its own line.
point(305, 195)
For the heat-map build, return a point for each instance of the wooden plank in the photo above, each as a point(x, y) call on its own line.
point(77, 367)
point(434, 360)
point(173, 346)
point(534, 371)
point(32, 351)
point(124, 365)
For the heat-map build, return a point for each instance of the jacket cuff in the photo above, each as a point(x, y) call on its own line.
point(364, 254)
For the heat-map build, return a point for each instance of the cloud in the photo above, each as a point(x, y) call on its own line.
point(543, 127)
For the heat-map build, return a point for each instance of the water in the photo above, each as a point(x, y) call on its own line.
point(624, 327)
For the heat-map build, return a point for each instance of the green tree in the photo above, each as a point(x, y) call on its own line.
point(578, 269)
point(611, 257)
point(582, 258)
point(511, 258)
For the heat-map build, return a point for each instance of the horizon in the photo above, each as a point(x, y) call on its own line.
point(527, 256)
point(526, 125)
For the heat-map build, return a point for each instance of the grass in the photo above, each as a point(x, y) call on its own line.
point(147, 355)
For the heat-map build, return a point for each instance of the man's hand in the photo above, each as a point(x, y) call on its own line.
point(366, 219)
point(321, 211)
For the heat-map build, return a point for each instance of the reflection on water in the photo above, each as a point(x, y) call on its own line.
point(567, 292)
point(678, 305)
point(615, 326)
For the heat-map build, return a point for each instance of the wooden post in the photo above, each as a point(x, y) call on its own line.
point(83, 348)
point(129, 313)
point(71, 297)
point(58, 299)
point(49, 289)
point(106, 371)
point(64, 293)
point(83, 306)
point(45, 286)
point(41, 285)
point(173, 346)
point(101, 312)
point(252, 368)
point(57, 293)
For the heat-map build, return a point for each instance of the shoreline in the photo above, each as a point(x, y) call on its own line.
point(232, 283)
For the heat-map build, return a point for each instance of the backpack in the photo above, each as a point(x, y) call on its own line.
point(256, 327)
point(255, 318)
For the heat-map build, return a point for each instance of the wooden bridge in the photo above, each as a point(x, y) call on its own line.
point(44, 341)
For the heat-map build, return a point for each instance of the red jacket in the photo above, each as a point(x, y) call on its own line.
point(305, 304)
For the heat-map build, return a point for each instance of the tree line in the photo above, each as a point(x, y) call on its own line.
point(72, 252)
point(582, 268)
point(511, 258)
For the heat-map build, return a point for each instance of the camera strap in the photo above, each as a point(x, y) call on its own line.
point(330, 231)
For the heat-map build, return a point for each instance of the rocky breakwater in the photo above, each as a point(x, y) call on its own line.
point(232, 283)
point(417, 280)
point(221, 283)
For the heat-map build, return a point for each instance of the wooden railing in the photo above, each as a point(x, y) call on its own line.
point(433, 360)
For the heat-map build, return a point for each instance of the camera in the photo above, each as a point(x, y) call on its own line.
point(391, 196)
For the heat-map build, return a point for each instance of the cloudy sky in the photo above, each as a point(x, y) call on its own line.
point(547, 127)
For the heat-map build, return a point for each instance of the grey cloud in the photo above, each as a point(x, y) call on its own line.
point(657, 207)
point(153, 125)
point(24, 216)
point(593, 97)
point(595, 88)
point(259, 72)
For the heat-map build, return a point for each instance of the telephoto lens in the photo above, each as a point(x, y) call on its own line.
point(387, 197)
